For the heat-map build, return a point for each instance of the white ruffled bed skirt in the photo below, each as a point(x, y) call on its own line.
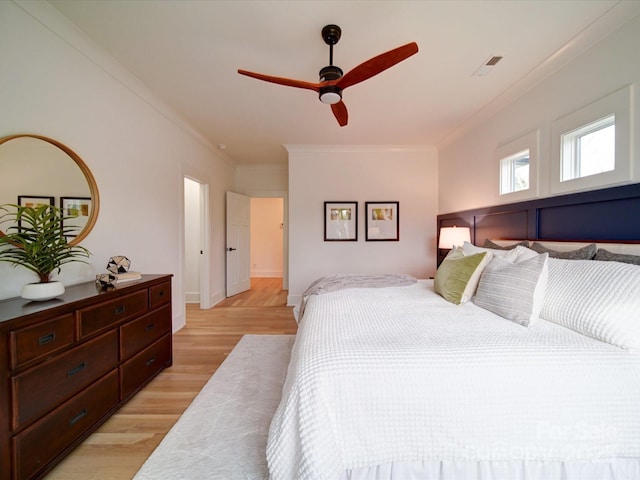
point(615, 469)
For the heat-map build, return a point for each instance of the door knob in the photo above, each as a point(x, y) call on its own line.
point(231, 249)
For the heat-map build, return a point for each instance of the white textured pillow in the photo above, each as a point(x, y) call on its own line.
point(598, 299)
point(514, 290)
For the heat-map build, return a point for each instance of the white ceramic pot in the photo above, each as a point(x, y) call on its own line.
point(42, 291)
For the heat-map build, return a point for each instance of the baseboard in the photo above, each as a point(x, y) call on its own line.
point(192, 297)
point(266, 274)
point(216, 297)
point(178, 322)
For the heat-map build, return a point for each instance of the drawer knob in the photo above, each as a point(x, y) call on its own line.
point(75, 370)
point(151, 360)
point(161, 293)
point(46, 338)
point(78, 417)
point(150, 327)
point(119, 310)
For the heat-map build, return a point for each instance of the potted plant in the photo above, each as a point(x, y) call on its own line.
point(37, 240)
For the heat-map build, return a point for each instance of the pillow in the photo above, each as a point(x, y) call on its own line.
point(598, 299)
point(514, 291)
point(511, 255)
point(489, 244)
point(584, 253)
point(458, 275)
point(607, 256)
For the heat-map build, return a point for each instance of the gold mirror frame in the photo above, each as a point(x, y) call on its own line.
point(93, 187)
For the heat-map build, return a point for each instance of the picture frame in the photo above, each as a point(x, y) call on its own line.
point(341, 221)
point(382, 221)
point(76, 211)
point(34, 200)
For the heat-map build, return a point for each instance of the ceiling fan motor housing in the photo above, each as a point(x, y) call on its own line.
point(330, 94)
point(329, 73)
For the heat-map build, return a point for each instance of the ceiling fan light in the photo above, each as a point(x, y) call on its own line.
point(330, 98)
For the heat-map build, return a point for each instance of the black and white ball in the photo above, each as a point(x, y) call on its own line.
point(119, 264)
point(105, 280)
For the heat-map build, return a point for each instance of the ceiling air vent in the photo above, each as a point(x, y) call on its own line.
point(488, 64)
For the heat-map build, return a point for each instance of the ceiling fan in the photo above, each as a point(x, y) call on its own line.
point(333, 81)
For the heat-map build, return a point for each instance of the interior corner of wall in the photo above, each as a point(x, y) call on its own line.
point(178, 322)
point(293, 300)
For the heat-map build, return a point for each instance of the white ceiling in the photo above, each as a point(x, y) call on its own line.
point(187, 52)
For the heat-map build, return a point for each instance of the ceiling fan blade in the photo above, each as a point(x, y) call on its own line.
point(289, 82)
point(340, 112)
point(377, 65)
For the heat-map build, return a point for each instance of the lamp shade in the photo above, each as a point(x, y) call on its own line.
point(452, 236)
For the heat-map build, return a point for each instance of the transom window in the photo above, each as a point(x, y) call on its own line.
point(514, 172)
point(589, 150)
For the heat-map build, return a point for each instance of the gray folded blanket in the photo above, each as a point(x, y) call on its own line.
point(341, 281)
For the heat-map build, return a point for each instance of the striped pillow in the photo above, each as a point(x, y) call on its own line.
point(514, 291)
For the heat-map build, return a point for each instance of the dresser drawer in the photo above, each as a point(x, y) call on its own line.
point(159, 294)
point(40, 443)
point(145, 365)
point(99, 317)
point(36, 341)
point(40, 389)
point(139, 333)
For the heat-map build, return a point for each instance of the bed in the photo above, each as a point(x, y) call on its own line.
point(533, 373)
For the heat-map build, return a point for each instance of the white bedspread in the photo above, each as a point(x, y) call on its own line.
point(400, 375)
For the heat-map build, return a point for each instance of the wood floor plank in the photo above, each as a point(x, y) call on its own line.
point(119, 447)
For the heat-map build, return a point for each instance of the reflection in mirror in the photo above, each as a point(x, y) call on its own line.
point(33, 166)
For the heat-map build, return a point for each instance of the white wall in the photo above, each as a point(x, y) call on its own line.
point(334, 173)
point(260, 179)
point(267, 237)
point(56, 83)
point(468, 173)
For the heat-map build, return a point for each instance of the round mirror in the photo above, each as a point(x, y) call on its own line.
point(36, 169)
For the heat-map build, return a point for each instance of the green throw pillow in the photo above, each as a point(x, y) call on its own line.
point(458, 276)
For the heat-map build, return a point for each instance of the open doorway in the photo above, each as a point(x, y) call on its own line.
point(267, 258)
point(267, 237)
point(196, 221)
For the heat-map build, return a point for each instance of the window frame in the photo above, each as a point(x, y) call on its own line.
point(618, 105)
point(530, 142)
point(570, 159)
point(507, 169)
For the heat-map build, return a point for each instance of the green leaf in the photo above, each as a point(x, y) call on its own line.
point(37, 239)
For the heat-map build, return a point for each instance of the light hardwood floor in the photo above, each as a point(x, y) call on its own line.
point(121, 445)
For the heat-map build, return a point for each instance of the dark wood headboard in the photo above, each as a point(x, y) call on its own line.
point(607, 215)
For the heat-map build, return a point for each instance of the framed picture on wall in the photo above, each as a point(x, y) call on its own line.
point(75, 211)
point(382, 222)
point(34, 200)
point(340, 221)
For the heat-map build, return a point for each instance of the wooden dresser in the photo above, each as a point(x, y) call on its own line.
point(67, 364)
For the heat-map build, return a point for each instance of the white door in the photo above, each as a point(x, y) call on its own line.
point(238, 241)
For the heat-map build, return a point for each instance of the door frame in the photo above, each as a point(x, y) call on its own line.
point(204, 273)
point(285, 230)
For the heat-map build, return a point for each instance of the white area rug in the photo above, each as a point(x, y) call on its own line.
point(223, 433)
